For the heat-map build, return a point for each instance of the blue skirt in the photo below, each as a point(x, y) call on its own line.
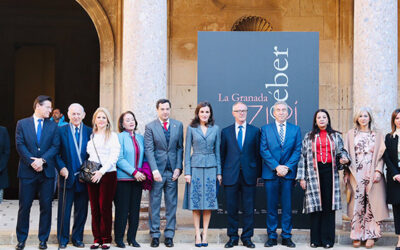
point(201, 193)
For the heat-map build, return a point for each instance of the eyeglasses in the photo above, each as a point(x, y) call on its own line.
point(240, 111)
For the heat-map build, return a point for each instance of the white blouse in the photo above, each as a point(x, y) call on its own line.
point(108, 151)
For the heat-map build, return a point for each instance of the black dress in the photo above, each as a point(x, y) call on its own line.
point(393, 187)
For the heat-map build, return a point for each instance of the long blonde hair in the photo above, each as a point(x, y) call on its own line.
point(358, 114)
point(109, 127)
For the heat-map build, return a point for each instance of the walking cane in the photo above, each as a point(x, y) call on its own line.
point(62, 211)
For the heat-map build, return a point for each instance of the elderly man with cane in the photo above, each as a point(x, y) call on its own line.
point(73, 141)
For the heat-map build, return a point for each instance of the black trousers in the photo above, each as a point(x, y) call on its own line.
point(323, 222)
point(240, 190)
point(127, 207)
point(396, 216)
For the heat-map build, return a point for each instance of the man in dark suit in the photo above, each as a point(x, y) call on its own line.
point(280, 148)
point(163, 142)
point(37, 142)
point(241, 165)
point(4, 156)
point(73, 140)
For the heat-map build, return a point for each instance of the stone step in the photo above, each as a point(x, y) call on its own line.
point(215, 236)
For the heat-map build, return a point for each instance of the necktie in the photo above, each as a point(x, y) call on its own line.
point(240, 138)
point(281, 135)
point(77, 134)
point(39, 130)
point(165, 126)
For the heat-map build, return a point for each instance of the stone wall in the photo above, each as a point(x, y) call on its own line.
point(333, 19)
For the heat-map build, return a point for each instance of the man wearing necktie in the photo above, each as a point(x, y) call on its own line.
point(280, 148)
point(241, 166)
point(163, 143)
point(37, 141)
point(73, 140)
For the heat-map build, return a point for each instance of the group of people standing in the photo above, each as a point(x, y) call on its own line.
point(234, 157)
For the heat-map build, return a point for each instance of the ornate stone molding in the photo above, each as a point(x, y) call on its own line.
point(107, 51)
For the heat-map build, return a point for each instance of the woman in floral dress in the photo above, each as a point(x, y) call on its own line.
point(364, 178)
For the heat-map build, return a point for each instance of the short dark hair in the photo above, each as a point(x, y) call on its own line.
point(162, 101)
point(121, 121)
point(40, 99)
point(196, 120)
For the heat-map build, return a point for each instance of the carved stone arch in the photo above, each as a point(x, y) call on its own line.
point(107, 51)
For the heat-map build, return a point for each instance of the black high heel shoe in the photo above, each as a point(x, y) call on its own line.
point(197, 244)
point(120, 244)
point(203, 244)
point(133, 243)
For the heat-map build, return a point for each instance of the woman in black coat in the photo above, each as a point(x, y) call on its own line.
point(4, 156)
point(391, 157)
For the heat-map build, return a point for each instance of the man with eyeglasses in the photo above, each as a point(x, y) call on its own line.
point(280, 148)
point(241, 165)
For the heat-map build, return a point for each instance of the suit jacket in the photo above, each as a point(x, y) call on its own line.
point(205, 149)
point(126, 160)
point(156, 149)
point(232, 159)
point(392, 165)
point(67, 152)
point(274, 154)
point(4, 156)
point(28, 146)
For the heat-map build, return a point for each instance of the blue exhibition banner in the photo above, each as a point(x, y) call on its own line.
point(259, 69)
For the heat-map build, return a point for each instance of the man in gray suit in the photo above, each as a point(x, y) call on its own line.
point(163, 140)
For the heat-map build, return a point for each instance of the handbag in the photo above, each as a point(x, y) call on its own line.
point(89, 167)
point(338, 164)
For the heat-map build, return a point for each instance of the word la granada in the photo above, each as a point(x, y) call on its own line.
point(236, 97)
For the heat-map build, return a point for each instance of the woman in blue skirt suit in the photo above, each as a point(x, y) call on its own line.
point(202, 169)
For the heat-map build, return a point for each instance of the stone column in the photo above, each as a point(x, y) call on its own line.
point(144, 67)
point(375, 59)
point(144, 59)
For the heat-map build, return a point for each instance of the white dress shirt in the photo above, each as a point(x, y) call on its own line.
point(279, 128)
point(108, 151)
point(243, 131)
point(35, 120)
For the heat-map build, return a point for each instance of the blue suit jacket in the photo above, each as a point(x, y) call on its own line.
point(232, 158)
point(28, 146)
point(126, 160)
point(274, 154)
point(65, 156)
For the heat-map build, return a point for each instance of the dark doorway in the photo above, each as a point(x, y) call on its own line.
point(47, 47)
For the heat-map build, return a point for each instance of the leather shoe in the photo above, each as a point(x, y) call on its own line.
point(42, 245)
point(169, 242)
point(155, 242)
point(63, 246)
point(20, 246)
point(271, 243)
point(78, 244)
point(133, 243)
point(231, 242)
point(247, 243)
point(288, 242)
point(120, 244)
point(95, 246)
point(106, 246)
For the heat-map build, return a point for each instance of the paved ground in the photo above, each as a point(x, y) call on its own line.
point(183, 238)
point(185, 246)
